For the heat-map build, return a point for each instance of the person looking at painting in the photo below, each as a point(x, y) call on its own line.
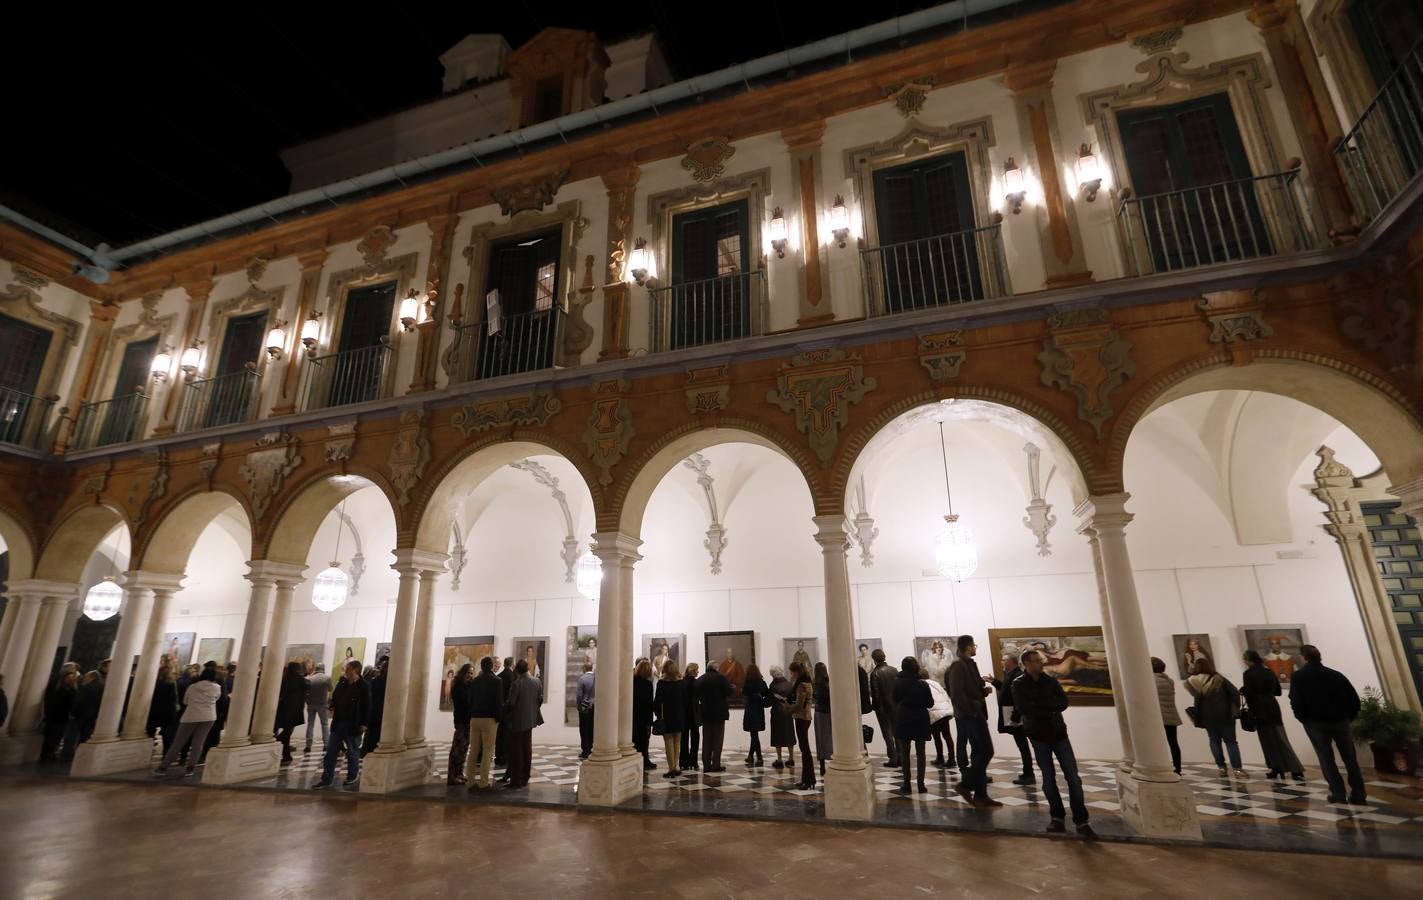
point(691, 738)
point(460, 700)
point(940, 715)
point(824, 733)
point(1325, 703)
point(587, 691)
point(882, 680)
point(967, 690)
point(1038, 704)
point(377, 684)
point(670, 707)
point(198, 718)
point(1260, 687)
point(753, 720)
point(350, 713)
point(486, 713)
point(1217, 706)
point(1012, 671)
point(522, 708)
point(318, 695)
point(501, 737)
point(291, 701)
point(802, 711)
point(1166, 696)
point(714, 690)
point(642, 696)
point(913, 699)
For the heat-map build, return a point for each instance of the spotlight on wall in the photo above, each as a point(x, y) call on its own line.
point(779, 232)
point(640, 263)
point(311, 331)
point(1014, 191)
point(1089, 173)
point(277, 339)
point(162, 363)
point(840, 220)
point(191, 360)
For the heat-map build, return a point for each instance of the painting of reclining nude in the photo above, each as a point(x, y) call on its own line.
point(1076, 657)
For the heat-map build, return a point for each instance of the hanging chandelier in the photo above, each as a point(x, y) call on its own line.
point(103, 600)
point(590, 575)
point(332, 585)
point(955, 554)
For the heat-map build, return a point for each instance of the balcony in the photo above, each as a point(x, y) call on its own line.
point(709, 311)
point(114, 421)
point(523, 342)
point(1384, 149)
point(340, 379)
point(23, 418)
point(942, 270)
point(1229, 221)
point(224, 400)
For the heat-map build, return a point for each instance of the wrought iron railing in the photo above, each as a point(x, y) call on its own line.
point(1264, 215)
point(709, 311)
point(1384, 149)
point(23, 418)
point(114, 421)
point(340, 379)
point(941, 270)
point(524, 342)
point(222, 400)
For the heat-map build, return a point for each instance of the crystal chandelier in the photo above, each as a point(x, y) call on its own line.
point(590, 575)
point(332, 584)
point(955, 554)
point(103, 600)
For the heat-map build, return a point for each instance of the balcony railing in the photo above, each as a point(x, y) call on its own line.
point(1229, 221)
point(339, 379)
point(113, 421)
point(941, 270)
point(1384, 149)
point(525, 342)
point(709, 311)
point(23, 418)
point(223, 400)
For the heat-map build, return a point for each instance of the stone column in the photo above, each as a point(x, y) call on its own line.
point(22, 635)
point(7, 623)
point(803, 143)
point(623, 664)
point(607, 777)
point(621, 182)
point(397, 686)
point(269, 688)
point(141, 695)
point(1154, 800)
point(849, 783)
point(138, 600)
point(1113, 659)
point(27, 698)
point(311, 263)
point(424, 641)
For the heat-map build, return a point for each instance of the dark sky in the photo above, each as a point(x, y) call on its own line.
point(118, 129)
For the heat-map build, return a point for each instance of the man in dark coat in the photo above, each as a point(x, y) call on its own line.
point(523, 715)
point(967, 690)
point(1325, 703)
point(1038, 702)
point(713, 692)
point(882, 681)
point(501, 737)
point(377, 705)
point(350, 714)
point(486, 717)
point(1012, 671)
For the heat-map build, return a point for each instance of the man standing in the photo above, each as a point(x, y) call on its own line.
point(501, 738)
point(377, 686)
point(882, 680)
point(586, 692)
point(1038, 702)
point(525, 697)
point(350, 713)
point(461, 698)
point(967, 688)
point(713, 691)
point(1007, 723)
point(486, 715)
point(318, 695)
point(1325, 703)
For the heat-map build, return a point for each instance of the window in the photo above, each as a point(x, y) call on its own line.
point(1386, 30)
point(121, 418)
point(928, 252)
point(22, 354)
point(548, 99)
point(710, 294)
point(231, 391)
point(135, 367)
point(524, 270)
point(357, 373)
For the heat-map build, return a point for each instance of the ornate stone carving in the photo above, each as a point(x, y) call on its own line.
point(1243, 325)
point(936, 356)
point(256, 268)
point(577, 333)
point(94, 484)
point(818, 387)
point(1157, 41)
point(545, 478)
point(1039, 519)
point(533, 195)
point(909, 96)
point(29, 278)
point(357, 568)
point(212, 454)
point(862, 531)
point(708, 389)
point(157, 485)
point(267, 468)
point(409, 454)
point(376, 245)
point(533, 408)
point(715, 543)
point(340, 442)
point(457, 556)
point(1083, 355)
point(609, 428)
point(706, 159)
point(1378, 317)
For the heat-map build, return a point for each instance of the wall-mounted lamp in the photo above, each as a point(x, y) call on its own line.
point(1089, 173)
point(779, 232)
point(409, 310)
point(640, 263)
point(311, 331)
point(277, 339)
point(191, 360)
point(162, 362)
point(1014, 191)
point(840, 220)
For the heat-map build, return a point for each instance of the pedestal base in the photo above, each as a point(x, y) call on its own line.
point(609, 782)
point(107, 757)
point(849, 793)
point(25, 748)
point(249, 762)
point(1161, 809)
point(386, 773)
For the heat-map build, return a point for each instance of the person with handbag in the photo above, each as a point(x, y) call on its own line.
point(1166, 696)
point(802, 707)
point(642, 711)
point(1259, 686)
point(753, 720)
point(669, 705)
point(1216, 708)
point(912, 701)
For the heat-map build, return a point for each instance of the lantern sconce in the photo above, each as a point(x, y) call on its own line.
point(191, 361)
point(162, 362)
point(840, 221)
point(409, 311)
point(1015, 191)
point(779, 232)
point(1089, 173)
point(640, 262)
point(276, 339)
point(311, 331)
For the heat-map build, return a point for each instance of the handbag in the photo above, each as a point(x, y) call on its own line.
point(1247, 719)
point(1194, 715)
point(657, 728)
point(869, 734)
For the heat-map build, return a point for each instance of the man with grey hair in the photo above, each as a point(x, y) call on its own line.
point(318, 695)
point(1038, 702)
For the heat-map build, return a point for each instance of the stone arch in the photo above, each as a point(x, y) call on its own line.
point(634, 490)
point(167, 546)
point(18, 543)
point(296, 521)
point(73, 540)
point(1368, 405)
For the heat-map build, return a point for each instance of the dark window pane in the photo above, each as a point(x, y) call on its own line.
point(22, 352)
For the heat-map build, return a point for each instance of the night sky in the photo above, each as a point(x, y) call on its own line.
point(117, 129)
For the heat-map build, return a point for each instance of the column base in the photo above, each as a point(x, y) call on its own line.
point(16, 749)
point(609, 782)
point(247, 762)
point(1161, 809)
point(849, 793)
point(107, 757)
point(388, 772)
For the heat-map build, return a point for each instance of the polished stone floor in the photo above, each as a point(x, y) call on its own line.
point(63, 838)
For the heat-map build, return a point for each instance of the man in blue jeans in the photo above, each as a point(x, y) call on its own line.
point(350, 713)
point(967, 690)
point(1038, 702)
point(1326, 703)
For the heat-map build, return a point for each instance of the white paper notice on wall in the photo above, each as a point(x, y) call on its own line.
point(492, 311)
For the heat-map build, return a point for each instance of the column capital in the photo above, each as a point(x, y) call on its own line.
point(312, 260)
point(265, 571)
point(830, 531)
point(1028, 78)
point(1410, 495)
point(614, 546)
point(41, 588)
point(1103, 511)
point(419, 562)
point(138, 580)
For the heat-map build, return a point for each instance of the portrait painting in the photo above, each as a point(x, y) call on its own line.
point(218, 650)
point(382, 649)
point(1191, 649)
point(178, 647)
point(730, 652)
point(1278, 646)
point(306, 654)
point(935, 654)
point(534, 651)
point(1075, 656)
point(804, 650)
point(459, 651)
point(582, 650)
point(864, 652)
point(344, 650)
point(661, 647)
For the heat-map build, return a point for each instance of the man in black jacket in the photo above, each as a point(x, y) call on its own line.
point(501, 737)
point(882, 681)
point(713, 690)
point(1038, 702)
point(967, 690)
point(350, 713)
point(1325, 703)
point(486, 719)
point(377, 685)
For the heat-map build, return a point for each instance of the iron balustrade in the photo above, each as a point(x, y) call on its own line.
point(525, 342)
point(114, 421)
point(222, 400)
point(940, 270)
point(1263, 215)
point(23, 418)
point(340, 379)
point(708, 311)
point(1384, 149)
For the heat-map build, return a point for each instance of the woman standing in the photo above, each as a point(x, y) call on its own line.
point(802, 705)
point(912, 700)
point(824, 736)
point(940, 715)
point(1217, 704)
point(462, 700)
point(642, 711)
point(57, 704)
point(670, 707)
point(782, 727)
point(691, 738)
point(201, 699)
point(291, 707)
point(1166, 696)
point(163, 710)
point(1260, 687)
point(753, 720)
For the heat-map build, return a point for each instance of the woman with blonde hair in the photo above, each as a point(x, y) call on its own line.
point(670, 707)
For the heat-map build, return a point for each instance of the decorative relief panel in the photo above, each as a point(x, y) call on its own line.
point(818, 387)
point(1084, 355)
point(1378, 317)
point(1234, 316)
point(534, 195)
point(375, 245)
point(267, 468)
point(157, 485)
point(409, 455)
point(609, 428)
point(708, 389)
point(937, 356)
point(706, 159)
point(909, 96)
point(533, 408)
point(340, 442)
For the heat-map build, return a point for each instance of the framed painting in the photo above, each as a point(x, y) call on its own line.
point(1191, 649)
point(935, 654)
point(581, 650)
point(306, 654)
point(344, 650)
point(218, 650)
point(804, 650)
point(534, 651)
point(178, 647)
point(382, 649)
point(1278, 646)
point(864, 650)
point(1075, 656)
point(459, 651)
point(731, 652)
point(661, 647)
